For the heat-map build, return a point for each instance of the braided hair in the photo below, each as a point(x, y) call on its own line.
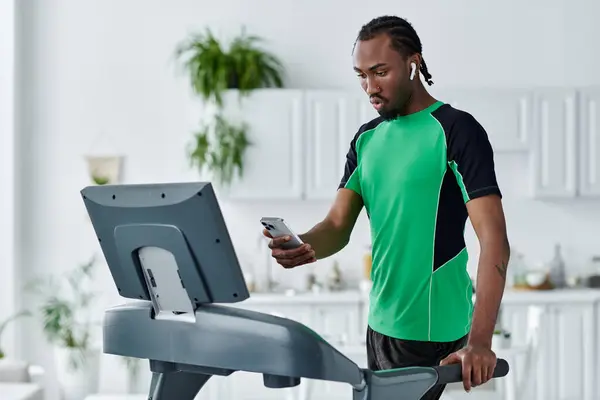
point(404, 38)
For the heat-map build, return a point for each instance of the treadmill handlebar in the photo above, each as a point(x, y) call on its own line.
point(453, 373)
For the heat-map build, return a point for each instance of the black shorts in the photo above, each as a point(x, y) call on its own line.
point(384, 352)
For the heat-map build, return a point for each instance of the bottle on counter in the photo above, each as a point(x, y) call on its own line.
point(517, 270)
point(335, 280)
point(592, 279)
point(312, 283)
point(557, 268)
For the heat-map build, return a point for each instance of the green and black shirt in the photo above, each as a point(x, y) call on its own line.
point(415, 175)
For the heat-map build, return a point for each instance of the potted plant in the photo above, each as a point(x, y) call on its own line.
point(219, 148)
point(64, 310)
point(104, 170)
point(213, 68)
point(219, 145)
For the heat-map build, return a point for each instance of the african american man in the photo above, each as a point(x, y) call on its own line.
point(420, 170)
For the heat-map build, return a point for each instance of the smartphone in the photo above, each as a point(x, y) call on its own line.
point(278, 227)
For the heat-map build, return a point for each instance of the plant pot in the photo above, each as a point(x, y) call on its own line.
point(104, 170)
point(77, 382)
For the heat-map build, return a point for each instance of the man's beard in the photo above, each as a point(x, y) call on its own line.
point(395, 109)
point(389, 114)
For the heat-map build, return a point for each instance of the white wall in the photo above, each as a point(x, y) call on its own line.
point(92, 67)
point(7, 169)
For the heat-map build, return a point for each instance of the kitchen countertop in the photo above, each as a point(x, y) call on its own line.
point(575, 295)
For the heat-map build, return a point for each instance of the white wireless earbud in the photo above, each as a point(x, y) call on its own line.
point(413, 70)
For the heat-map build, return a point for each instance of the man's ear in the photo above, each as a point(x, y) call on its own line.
point(414, 66)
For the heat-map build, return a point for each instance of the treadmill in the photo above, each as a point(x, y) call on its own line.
point(168, 247)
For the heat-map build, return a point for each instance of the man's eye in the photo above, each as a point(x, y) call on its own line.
point(380, 73)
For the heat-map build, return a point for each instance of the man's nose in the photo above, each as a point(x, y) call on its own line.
point(372, 87)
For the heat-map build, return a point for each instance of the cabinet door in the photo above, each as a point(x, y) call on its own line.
point(554, 147)
point(505, 114)
point(339, 324)
point(590, 142)
point(333, 118)
point(273, 162)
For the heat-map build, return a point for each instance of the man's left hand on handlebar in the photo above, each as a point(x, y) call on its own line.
point(478, 364)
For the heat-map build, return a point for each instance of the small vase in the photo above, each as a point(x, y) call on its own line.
point(104, 170)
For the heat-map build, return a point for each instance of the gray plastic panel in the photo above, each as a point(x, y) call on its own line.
point(403, 384)
point(180, 386)
point(229, 338)
point(169, 297)
point(206, 259)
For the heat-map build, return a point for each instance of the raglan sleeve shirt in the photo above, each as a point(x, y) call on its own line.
point(471, 157)
point(350, 179)
point(469, 153)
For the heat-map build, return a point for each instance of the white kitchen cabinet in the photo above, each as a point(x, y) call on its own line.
point(332, 119)
point(300, 138)
point(505, 114)
point(589, 107)
point(565, 353)
point(274, 161)
point(553, 157)
point(299, 141)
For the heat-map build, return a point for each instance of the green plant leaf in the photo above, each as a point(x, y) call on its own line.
point(60, 308)
point(100, 180)
point(225, 156)
point(206, 63)
point(199, 153)
point(212, 68)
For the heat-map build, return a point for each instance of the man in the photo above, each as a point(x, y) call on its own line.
point(419, 169)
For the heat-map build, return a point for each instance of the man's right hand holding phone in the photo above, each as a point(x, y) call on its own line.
point(289, 258)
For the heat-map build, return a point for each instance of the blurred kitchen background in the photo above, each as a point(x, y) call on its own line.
point(94, 92)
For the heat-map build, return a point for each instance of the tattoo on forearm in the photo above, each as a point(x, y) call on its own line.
point(501, 268)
